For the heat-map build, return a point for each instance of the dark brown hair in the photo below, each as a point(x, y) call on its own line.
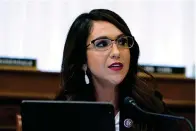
point(73, 86)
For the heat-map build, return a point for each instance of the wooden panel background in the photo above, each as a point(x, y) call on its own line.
point(179, 94)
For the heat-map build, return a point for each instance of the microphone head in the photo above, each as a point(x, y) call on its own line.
point(128, 100)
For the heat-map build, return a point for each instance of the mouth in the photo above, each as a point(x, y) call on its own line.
point(116, 66)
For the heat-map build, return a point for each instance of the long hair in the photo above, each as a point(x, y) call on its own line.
point(73, 86)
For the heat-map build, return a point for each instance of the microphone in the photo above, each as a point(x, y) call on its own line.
point(129, 100)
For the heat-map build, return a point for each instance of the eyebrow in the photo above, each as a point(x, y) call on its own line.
point(105, 37)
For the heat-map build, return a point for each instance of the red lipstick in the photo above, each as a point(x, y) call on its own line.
point(116, 66)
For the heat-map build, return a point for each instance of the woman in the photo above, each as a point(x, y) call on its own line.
point(100, 63)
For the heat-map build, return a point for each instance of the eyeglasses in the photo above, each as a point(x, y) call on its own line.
point(103, 44)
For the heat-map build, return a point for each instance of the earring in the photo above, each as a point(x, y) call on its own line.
point(85, 76)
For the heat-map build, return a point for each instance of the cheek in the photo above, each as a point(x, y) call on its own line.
point(96, 62)
point(126, 57)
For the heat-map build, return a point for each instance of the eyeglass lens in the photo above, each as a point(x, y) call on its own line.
point(124, 42)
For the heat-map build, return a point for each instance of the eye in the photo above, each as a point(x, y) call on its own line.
point(101, 43)
point(123, 41)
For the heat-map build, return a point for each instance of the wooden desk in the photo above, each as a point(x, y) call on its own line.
point(179, 94)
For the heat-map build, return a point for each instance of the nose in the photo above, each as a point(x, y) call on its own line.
point(115, 53)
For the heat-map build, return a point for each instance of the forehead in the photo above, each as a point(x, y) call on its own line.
point(104, 28)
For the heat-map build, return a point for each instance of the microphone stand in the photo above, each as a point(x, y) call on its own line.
point(129, 100)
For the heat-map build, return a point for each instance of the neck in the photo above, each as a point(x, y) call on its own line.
point(106, 92)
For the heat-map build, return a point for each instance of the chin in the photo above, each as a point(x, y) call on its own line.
point(117, 80)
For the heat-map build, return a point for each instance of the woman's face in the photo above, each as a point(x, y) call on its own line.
point(110, 65)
